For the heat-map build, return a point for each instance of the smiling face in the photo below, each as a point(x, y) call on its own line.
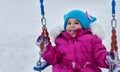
point(72, 25)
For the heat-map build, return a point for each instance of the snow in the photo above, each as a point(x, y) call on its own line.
point(20, 26)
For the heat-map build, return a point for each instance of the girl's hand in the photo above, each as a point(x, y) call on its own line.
point(112, 57)
point(42, 42)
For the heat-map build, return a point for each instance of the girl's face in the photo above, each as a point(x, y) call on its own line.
point(72, 25)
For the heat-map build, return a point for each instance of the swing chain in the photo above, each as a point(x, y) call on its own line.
point(113, 22)
point(114, 25)
point(39, 61)
point(45, 36)
point(114, 46)
point(43, 21)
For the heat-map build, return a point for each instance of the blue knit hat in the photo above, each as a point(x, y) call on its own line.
point(82, 17)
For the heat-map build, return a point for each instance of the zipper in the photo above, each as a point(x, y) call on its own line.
point(74, 41)
point(74, 63)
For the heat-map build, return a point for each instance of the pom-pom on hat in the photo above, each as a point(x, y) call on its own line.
point(82, 17)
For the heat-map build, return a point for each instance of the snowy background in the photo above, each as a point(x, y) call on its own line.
point(20, 26)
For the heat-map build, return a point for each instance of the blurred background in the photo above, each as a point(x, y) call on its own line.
point(20, 25)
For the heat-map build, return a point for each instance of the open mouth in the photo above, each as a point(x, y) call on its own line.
point(72, 32)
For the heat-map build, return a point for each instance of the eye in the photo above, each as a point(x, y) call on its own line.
point(77, 23)
point(68, 23)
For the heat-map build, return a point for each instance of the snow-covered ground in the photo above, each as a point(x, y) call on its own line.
point(20, 26)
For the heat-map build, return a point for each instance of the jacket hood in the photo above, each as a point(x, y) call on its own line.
point(95, 28)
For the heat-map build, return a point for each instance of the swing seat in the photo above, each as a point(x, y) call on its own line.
point(41, 67)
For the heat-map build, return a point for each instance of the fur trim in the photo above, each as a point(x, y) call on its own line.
point(56, 31)
point(95, 28)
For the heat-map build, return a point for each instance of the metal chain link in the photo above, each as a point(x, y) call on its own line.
point(113, 22)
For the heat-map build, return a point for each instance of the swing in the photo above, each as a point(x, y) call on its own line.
point(114, 67)
point(44, 35)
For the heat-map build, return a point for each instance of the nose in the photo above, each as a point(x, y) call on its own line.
point(72, 25)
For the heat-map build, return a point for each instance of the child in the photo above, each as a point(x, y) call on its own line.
point(76, 48)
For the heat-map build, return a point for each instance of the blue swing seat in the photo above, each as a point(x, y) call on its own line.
point(41, 67)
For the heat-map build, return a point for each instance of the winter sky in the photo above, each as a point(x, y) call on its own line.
point(20, 25)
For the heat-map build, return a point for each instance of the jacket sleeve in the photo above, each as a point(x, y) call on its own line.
point(53, 55)
point(99, 52)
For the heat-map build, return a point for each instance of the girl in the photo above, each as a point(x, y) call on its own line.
point(76, 48)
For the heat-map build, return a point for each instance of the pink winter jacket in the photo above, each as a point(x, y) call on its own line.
point(84, 53)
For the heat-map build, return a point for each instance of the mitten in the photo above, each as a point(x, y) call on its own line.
point(112, 57)
point(42, 42)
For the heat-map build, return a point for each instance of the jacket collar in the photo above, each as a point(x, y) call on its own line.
point(79, 33)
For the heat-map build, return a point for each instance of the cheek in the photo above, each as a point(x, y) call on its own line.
point(67, 30)
point(79, 26)
point(67, 27)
